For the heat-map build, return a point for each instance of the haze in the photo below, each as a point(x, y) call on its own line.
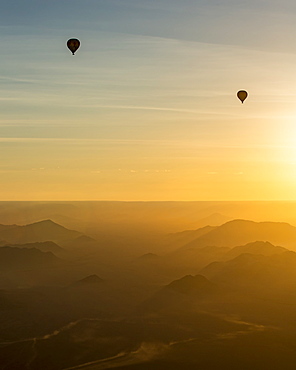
point(147, 285)
point(147, 216)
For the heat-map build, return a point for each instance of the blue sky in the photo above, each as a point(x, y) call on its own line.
point(147, 107)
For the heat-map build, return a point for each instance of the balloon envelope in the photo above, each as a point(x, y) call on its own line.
point(242, 95)
point(73, 45)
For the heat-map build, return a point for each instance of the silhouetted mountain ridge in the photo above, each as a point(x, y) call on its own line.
point(89, 281)
point(40, 231)
point(181, 294)
point(47, 246)
point(258, 247)
point(23, 258)
point(255, 270)
point(5, 227)
point(192, 285)
point(240, 232)
point(148, 257)
point(184, 237)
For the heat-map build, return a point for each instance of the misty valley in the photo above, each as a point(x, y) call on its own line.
point(147, 285)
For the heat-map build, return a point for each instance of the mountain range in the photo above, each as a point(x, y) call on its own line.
point(258, 247)
point(222, 294)
point(47, 246)
point(181, 294)
point(88, 281)
point(240, 232)
point(41, 231)
point(271, 272)
point(12, 258)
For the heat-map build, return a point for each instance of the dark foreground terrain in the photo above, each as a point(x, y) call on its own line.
point(219, 296)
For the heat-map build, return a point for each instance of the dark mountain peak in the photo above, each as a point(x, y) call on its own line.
point(256, 271)
point(89, 281)
point(180, 294)
point(23, 258)
point(45, 223)
point(2, 226)
point(149, 257)
point(192, 285)
point(240, 232)
point(40, 231)
point(47, 246)
point(239, 224)
point(239, 221)
point(258, 247)
point(243, 222)
point(48, 221)
point(259, 243)
point(25, 251)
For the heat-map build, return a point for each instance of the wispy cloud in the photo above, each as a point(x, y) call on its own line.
point(8, 99)
point(159, 142)
point(163, 109)
point(43, 81)
point(134, 107)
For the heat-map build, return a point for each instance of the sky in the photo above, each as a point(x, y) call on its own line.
point(147, 107)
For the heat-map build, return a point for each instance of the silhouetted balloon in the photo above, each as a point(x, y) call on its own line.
point(73, 45)
point(242, 95)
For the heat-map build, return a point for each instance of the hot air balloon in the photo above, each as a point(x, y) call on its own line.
point(242, 95)
point(73, 45)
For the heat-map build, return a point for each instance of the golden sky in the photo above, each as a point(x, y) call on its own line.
point(147, 108)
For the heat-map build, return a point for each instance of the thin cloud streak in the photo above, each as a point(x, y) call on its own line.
point(133, 107)
point(44, 81)
point(163, 109)
point(144, 142)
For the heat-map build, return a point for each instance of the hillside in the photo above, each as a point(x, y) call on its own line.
point(256, 271)
point(181, 294)
point(259, 247)
point(91, 280)
point(12, 258)
point(41, 231)
point(47, 246)
point(215, 219)
point(179, 239)
point(240, 232)
point(192, 285)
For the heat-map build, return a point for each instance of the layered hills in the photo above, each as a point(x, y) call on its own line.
point(41, 231)
point(256, 270)
point(226, 294)
point(192, 285)
point(184, 237)
point(24, 258)
point(181, 294)
point(239, 232)
point(258, 247)
point(221, 243)
point(91, 280)
point(47, 246)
